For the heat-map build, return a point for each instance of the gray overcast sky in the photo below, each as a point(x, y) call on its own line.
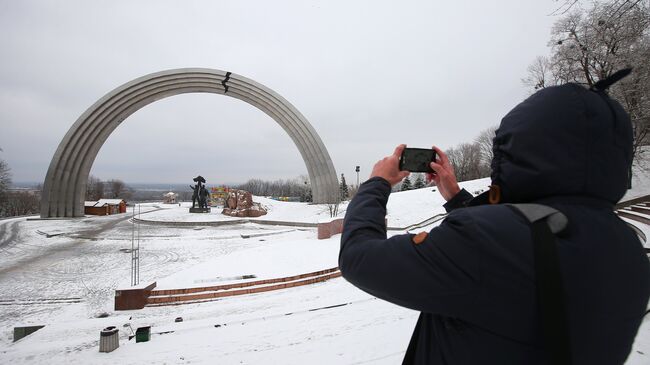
point(368, 75)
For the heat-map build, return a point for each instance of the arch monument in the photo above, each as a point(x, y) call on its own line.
point(64, 187)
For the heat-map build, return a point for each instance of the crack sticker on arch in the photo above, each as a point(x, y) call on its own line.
point(223, 83)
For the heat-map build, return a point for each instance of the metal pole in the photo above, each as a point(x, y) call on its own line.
point(137, 263)
point(133, 247)
point(357, 170)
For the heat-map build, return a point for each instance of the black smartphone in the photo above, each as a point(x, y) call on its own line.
point(417, 159)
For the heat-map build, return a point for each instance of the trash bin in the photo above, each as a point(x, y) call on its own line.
point(143, 334)
point(109, 339)
point(20, 332)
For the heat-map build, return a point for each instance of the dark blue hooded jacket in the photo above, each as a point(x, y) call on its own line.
point(473, 278)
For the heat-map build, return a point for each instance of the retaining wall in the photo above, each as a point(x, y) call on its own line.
point(329, 229)
point(127, 299)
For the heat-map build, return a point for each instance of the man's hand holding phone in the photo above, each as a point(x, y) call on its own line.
point(388, 167)
point(443, 175)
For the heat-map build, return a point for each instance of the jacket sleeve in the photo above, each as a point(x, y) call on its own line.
point(459, 200)
point(438, 275)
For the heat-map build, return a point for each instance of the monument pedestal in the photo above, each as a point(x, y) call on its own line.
point(199, 210)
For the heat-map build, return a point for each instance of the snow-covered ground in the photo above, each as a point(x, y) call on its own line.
point(640, 180)
point(277, 211)
point(63, 273)
point(404, 208)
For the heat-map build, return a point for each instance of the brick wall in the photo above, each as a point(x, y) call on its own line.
point(329, 229)
point(132, 298)
point(229, 293)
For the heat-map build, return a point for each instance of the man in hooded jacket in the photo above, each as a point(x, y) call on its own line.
point(472, 277)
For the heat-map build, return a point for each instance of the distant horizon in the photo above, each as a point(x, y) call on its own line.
point(28, 184)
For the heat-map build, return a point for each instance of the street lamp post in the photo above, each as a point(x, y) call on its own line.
point(357, 170)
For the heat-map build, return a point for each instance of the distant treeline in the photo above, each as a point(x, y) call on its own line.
point(470, 160)
point(296, 187)
point(15, 202)
point(112, 189)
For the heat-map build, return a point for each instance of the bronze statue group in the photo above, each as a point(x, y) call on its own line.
point(200, 193)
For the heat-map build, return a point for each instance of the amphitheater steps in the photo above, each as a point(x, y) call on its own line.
point(637, 210)
point(630, 214)
point(194, 295)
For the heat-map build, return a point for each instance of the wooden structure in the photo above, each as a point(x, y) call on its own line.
point(105, 207)
point(170, 198)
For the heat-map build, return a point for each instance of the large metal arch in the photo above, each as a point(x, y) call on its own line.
point(65, 183)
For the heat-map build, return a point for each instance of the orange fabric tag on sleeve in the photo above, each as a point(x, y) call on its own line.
point(420, 237)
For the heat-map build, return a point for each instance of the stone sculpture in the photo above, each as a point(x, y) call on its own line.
point(239, 203)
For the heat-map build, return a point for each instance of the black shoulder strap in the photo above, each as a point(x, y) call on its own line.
point(545, 221)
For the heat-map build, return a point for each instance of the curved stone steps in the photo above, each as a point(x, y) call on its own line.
point(633, 216)
point(637, 210)
point(640, 209)
point(199, 294)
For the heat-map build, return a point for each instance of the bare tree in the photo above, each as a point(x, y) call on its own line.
point(466, 161)
point(5, 183)
point(5, 179)
point(333, 209)
point(565, 6)
point(590, 45)
point(21, 203)
point(485, 142)
point(118, 189)
point(14, 203)
point(540, 74)
point(297, 187)
point(94, 188)
point(633, 93)
point(620, 7)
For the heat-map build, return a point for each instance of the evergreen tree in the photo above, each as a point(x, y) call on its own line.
point(343, 188)
point(406, 184)
point(419, 182)
point(306, 196)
